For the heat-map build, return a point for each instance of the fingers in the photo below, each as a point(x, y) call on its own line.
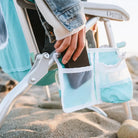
point(74, 45)
point(81, 44)
point(58, 43)
point(64, 45)
point(71, 49)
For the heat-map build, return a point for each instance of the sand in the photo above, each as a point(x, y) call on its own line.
point(33, 117)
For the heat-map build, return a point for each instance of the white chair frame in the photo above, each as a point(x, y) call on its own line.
point(44, 61)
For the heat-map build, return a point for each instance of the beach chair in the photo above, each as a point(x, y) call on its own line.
point(43, 61)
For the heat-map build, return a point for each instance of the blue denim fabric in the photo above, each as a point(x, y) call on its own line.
point(68, 12)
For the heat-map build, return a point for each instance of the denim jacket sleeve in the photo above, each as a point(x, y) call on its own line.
point(65, 16)
point(68, 12)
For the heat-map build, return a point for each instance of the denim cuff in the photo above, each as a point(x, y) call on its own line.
point(73, 18)
point(70, 13)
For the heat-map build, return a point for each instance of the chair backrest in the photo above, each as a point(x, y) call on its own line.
point(27, 29)
point(112, 12)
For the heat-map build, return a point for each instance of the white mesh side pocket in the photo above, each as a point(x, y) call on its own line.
point(115, 83)
point(76, 87)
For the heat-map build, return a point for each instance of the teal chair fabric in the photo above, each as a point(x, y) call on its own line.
point(32, 1)
point(15, 57)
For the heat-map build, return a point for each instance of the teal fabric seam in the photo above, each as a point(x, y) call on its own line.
point(17, 69)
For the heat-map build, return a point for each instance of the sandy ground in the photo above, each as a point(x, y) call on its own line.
point(33, 117)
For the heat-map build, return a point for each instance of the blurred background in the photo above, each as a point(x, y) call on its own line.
point(123, 31)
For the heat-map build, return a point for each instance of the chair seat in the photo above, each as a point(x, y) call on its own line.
point(109, 11)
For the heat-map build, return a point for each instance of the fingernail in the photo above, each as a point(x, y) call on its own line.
point(74, 59)
point(64, 61)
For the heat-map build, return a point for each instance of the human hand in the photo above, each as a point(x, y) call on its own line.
point(73, 45)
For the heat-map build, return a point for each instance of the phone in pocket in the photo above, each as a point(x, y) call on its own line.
point(78, 79)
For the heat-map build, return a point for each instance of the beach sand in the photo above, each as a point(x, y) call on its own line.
point(33, 117)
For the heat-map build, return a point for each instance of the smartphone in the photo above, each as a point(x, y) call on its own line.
point(78, 79)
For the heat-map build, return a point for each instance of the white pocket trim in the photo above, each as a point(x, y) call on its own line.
point(71, 70)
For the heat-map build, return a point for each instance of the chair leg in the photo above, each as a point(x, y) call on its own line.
point(128, 111)
point(98, 110)
point(109, 33)
point(9, 100)
point(47, 91)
